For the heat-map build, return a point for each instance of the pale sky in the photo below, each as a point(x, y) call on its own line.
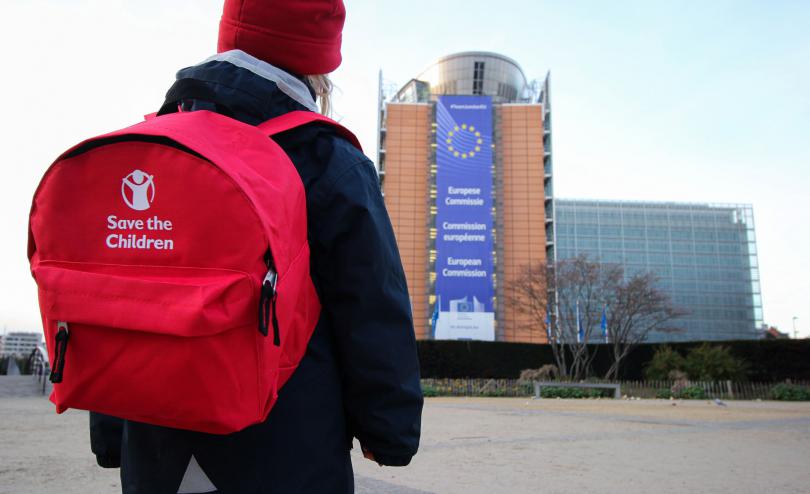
point(683, 101)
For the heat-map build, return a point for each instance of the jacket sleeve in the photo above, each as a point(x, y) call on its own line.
point(365, 297)
point(105, 439)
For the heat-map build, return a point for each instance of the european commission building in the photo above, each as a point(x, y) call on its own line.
point(466, 169)
point(465, 166)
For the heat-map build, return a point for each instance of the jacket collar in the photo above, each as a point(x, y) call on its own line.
point(287, 83)
point(240, 86)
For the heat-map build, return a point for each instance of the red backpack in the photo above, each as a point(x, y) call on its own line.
point(172, 264)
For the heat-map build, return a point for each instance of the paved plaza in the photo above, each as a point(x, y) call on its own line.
point(499, 445)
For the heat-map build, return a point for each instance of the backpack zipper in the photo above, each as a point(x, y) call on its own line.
point(60, 349)
point(267, 302)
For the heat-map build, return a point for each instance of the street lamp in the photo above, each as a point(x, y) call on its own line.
point(795, 333)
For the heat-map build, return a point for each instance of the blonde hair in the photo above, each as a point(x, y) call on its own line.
point(322, 86)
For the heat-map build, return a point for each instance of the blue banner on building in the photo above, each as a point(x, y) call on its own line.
point(464, 218)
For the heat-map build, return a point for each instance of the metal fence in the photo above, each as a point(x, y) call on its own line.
point(40, 368)
point(725, 390)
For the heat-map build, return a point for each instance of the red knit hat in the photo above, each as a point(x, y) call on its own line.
point(302, 36)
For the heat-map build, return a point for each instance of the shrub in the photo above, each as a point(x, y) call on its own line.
point(429, 391)
point(544, 373)
point(691, 393)
point(790, 392)
point(713, 363)
point(682, 393)
point(554, 392)
point(664, 393)
point(664, 361)
point(495, 393)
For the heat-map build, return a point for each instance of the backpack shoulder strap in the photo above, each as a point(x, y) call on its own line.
point(295, 119)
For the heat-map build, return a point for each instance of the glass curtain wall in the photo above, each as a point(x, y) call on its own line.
point(704, 256)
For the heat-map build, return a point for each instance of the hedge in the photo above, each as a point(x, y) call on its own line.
point(768, 360)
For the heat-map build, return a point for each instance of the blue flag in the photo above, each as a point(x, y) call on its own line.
point(580, 329)
point(548, 323)
point(604, 323)
point(435, 317)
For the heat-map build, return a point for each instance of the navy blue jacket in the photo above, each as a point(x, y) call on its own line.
point(360, 375)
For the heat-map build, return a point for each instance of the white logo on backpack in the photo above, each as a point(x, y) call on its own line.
point(138, 190)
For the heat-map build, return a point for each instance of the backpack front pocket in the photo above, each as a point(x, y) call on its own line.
point(169, 346)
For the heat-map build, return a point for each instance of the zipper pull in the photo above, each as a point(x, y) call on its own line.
point(60, 349)
point(270, 279)
point(267, 306)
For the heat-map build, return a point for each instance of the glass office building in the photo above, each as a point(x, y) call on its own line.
point(704, 255)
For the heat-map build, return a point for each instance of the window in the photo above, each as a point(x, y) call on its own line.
point(634, 232)
point(633, 244)
point(653, 232)
point(611, 243)
point(681, 234)
point(478, 78)
point(613, 231)
point(681, 247)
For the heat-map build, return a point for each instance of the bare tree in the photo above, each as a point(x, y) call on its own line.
point(584, 291)
point(581, 288)
point(636, 309)
point(528, 294)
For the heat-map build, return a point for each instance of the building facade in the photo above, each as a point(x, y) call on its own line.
point(19, 343)
point(466, 170)
point(704, 255)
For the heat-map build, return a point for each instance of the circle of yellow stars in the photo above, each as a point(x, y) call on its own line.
point(464, 128)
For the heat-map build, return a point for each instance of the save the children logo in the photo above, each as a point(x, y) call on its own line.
point(138, 190)
point(152, 233)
